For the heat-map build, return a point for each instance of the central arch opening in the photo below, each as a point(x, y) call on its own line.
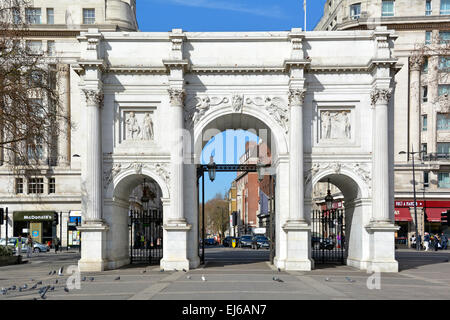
point(237, 208)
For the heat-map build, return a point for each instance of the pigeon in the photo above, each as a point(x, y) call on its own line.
point(52, 288)
point(91, 279)
point(175, 269)
point(20, 289)
point(327, 279)
point(279, 280)
point(184, 270)
point(65, 289)
point(54, 272)
point(83, 279)
point(188, 277)
point(349, 280)
point(279, 270)
point(162, 270)
point(13, 288)
point(144, 271)
point(60, 272)
point(34, 287)
point(40, 282)
point(50, 273)
point(203, 278)
point(4, 291)
point(44, 292)
point(118, 278)
point(24, 286)
point(275, 278)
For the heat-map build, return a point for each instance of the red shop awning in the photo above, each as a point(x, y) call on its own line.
point(434, 214)
point(402, 214)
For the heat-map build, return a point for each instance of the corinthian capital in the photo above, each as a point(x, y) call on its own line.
point(177, 97)
point(296, 97)
point(93, 97)
point(380, 96)
point(415, 62)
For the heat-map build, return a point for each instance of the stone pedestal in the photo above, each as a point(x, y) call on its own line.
point(93, 247)
point(382, 247)
point(175, 250)
point(298, 246)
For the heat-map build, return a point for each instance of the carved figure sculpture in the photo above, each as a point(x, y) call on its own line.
point(148, 127)
point(133, 127)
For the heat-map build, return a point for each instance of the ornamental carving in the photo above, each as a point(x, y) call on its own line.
point(138, 126)
point(275, 107)
point(237, 102)
point(363, 170)
point(416, 61)
point(197, 107)
point(93, 97)
point(176, 97)
point(380, 96)
point(111, 174)
point(443, 103)
point(296, 97)
point(335, 125)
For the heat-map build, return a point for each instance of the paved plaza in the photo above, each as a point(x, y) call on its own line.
point(232, 275)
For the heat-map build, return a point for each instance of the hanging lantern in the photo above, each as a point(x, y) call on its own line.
point(329, 198)
point(145, 195)
point(212, 169)
point(260, 171)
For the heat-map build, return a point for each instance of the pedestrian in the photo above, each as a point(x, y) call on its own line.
point(29, 244)
point(413, 241)
point(56, 244)
point(19, 245)
point(419, 242)
point(436, 243)
point(426, 241)
point(444, 241)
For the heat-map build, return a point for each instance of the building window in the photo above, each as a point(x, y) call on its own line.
point(355, 11)
point(426, 179)
point(50, 16)
point(424, 122)
point(425, 94)
point(443, 147)
point(445, 7)
point(424, 148)
point(444, 64)
point(443, 89)
point(443, 121)
point(444, 36)
point(33, 15)
point(19, 185)
point(51, 48)
point(428, 9)
point(427, 37)
point(444, 179)
point(36, 185)
point(425, 65)
point(34, 46)
point(16, 15)
point(88, 16)
point(51, 185)
point(387, 8)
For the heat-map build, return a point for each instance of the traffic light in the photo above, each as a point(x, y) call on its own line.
point(55, 218)
point(445, 219)
point(2, 217)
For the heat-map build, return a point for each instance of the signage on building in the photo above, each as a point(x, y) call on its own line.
point(34, 216)
point(408, 204)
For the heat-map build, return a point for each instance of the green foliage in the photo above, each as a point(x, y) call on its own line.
point(5, 251)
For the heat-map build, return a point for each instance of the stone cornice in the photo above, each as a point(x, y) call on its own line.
point(399, 23)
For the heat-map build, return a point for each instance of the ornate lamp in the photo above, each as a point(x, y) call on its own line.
point(329, 198)
point(145, 196)
point(260, 171)
point(212, 169)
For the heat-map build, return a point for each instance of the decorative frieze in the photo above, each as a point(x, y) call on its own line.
point(138, 126)
point(335, 125)
point(93, 97)
point(296, 97)
point(380, 96)
point(177, 97)
point(237, 102)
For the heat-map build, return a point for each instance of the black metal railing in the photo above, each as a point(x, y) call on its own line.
point(146, 236)
point(328, 236)
point(436, 156)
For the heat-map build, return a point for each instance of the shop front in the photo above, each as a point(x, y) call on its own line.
point(73, 238)
point(37, 223)
point(428, 216)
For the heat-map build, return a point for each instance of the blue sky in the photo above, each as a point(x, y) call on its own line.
point(226, 15)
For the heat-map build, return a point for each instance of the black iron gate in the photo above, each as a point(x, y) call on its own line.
point(328, 236)
point(146, 236)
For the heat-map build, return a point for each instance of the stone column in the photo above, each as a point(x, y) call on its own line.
point(177, 166)
point(415, 66)
point(298, 232)
point(380, 228)
point(296, 186)
point(93, 243)
point(64, 111)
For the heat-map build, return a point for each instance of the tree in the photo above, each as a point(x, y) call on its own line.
point(216, 211)
point(30, 112)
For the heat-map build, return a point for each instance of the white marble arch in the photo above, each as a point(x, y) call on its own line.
point(250, 117)
point(115, 212)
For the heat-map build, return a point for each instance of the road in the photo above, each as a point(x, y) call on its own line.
point(234, 275)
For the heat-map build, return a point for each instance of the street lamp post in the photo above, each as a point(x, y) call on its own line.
point(412, 153)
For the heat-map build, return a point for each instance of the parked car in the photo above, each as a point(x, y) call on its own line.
point(260, 242)
point(210, 242)
point(246, 241)
point(227, 241)
point(322, 243)
point(37, 247)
